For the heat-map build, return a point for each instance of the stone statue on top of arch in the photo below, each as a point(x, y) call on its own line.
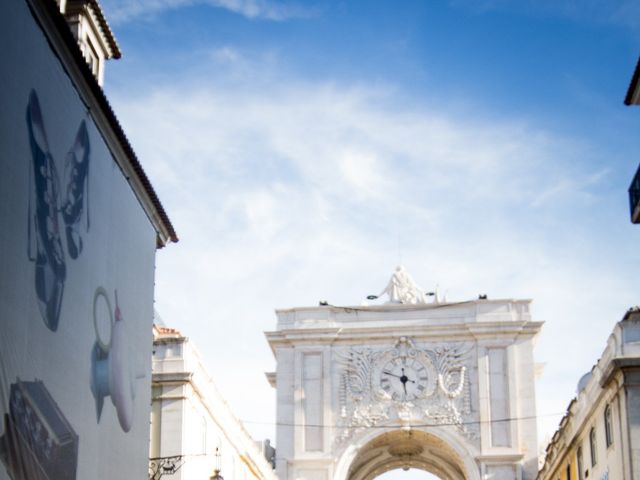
point(404, 290)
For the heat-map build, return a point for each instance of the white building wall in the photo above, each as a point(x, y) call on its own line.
point(285, 411)
point(190, 418)
point(497, 336)
point(613, 382)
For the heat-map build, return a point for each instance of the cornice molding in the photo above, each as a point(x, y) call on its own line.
point(420, 333)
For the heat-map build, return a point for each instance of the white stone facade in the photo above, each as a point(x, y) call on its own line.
point(599, 437)
point(447, 388)
point(189, 417)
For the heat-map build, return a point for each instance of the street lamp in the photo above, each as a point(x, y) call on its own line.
point(216, 466)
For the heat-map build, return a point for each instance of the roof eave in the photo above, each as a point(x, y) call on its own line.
point(633, 93)
point(61, 39)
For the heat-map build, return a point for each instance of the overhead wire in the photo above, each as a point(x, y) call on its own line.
point(409, 424)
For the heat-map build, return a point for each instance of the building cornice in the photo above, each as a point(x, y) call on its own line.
point(418, 332)
point(271, 378)
point(172, 377)
point(617, 365)
point(399, 308)
point(500, 458)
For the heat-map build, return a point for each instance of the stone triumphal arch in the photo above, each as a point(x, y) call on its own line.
point(447, 387)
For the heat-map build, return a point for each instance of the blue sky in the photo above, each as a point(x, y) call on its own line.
point(303, 149)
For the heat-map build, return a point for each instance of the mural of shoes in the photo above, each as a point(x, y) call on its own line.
point(76, 201)
point(38, 441)
point(43, 217)
point(110, 368)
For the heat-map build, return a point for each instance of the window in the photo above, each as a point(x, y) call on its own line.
point(608, 431)
point(593, 446)
point(580, 464)
point(569, 472)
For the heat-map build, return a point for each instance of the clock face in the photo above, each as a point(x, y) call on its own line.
point(404, 379)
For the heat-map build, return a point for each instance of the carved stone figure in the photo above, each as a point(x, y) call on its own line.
point(402, 289)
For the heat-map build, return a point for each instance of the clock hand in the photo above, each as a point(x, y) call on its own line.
point(392, 374)
point(404, 379)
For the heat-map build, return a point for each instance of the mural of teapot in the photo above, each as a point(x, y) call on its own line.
point(111, 373)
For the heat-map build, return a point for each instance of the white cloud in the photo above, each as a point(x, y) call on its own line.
point(226, 55)
point(121, 11)
point(297, 192)
point(579, 184)
point(362, 170)
point(616, 12)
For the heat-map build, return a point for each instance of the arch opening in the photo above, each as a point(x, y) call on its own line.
point(408, 474)
point(407, 450)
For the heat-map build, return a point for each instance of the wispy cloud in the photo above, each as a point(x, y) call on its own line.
point(121, 11)
point(290, 191)
point(617, 12)
point(226, 55)
point(581, 184)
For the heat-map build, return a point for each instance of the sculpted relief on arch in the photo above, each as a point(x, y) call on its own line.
point(405, 385)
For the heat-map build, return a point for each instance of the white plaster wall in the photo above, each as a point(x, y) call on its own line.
point(285, 410)
point(195, 419)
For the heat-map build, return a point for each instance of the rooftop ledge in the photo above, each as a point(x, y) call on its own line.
point(473, 311)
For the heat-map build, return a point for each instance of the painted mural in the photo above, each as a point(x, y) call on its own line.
point(76, 278)
point(47, 206)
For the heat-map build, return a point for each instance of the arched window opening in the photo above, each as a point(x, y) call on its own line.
point(608, 431)
point(593, 447)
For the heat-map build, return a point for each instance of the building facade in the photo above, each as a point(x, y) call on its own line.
point(190, 421)
point(633, 98)
point(80, 227)
point(443, 387)
point(599, 437)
